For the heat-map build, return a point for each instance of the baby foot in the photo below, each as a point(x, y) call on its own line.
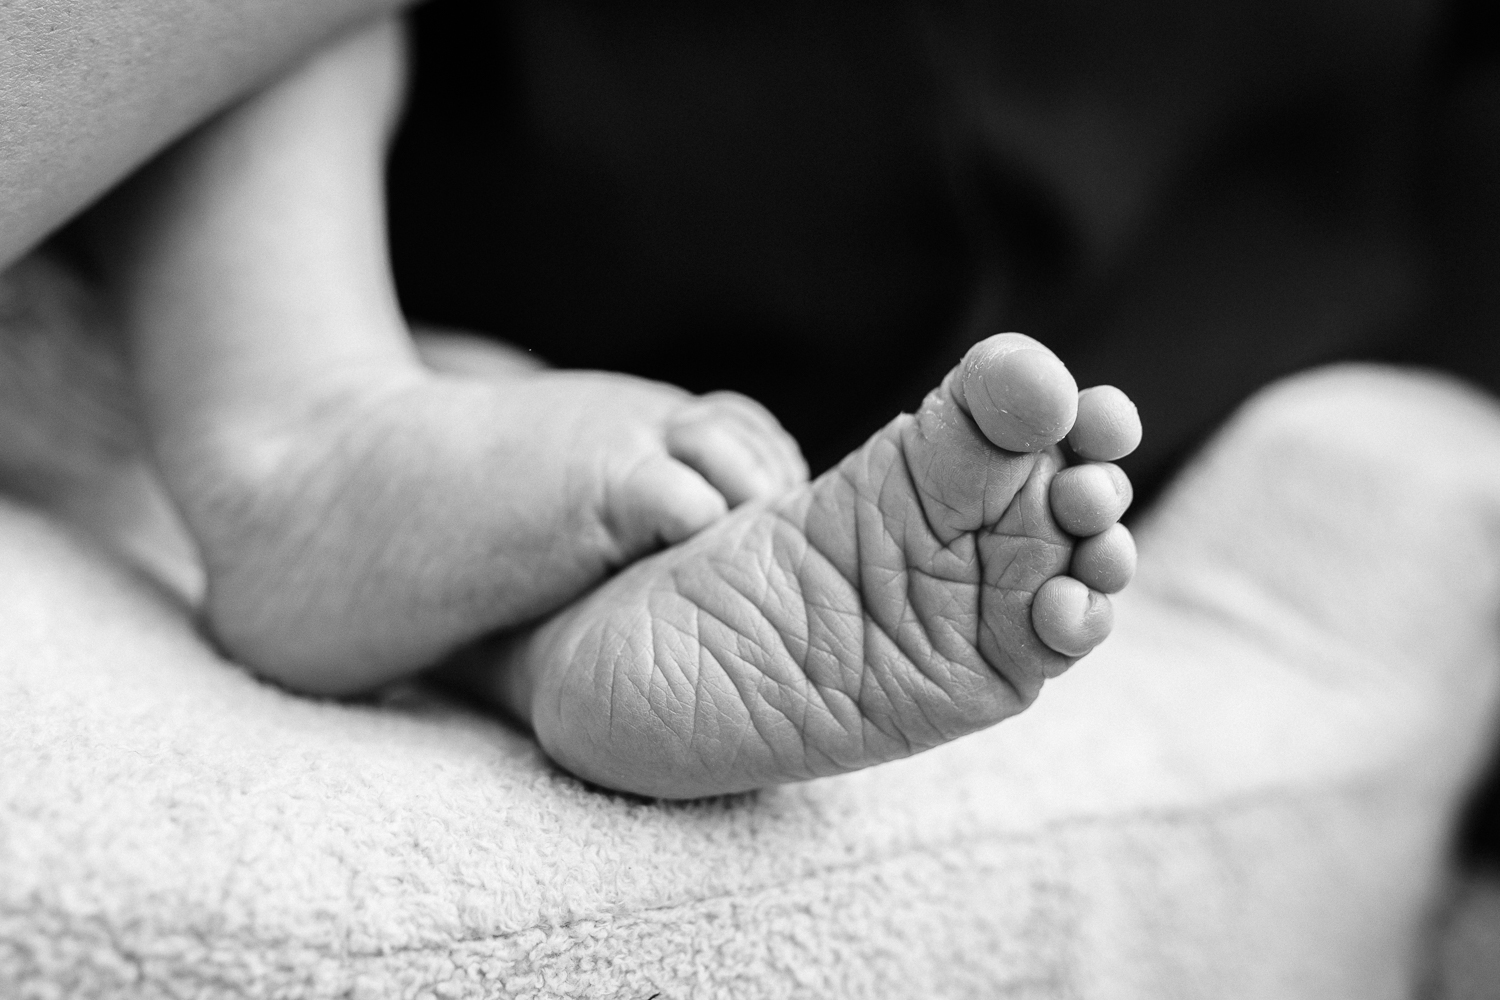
point(919, 591)
point(406, 517)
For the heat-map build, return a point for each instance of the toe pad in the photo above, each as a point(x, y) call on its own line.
point(1069, 617)
point(1018, 392)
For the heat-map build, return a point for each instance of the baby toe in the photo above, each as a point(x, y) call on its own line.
point(1105, 562)
point(737, 447)
point(1088, 498)
point(1108, 425)
point(1017, 391)
point(1069, 617)
point(760, 426)
point(660, 502)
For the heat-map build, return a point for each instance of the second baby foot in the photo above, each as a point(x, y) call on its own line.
point(921, 590)
point(406, 516)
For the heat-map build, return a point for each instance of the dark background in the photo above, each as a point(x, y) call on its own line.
point(821, 204)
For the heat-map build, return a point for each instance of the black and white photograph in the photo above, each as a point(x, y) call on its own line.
point(567, 499)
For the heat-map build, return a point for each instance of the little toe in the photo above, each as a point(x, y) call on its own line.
point(1108, 425)
point(1105, 562)
point(1088, 498)
point(660, 502)
point(1018, 392)
point(1069, 617)
point(781, 450)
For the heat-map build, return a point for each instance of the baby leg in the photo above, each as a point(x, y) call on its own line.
point(358, 515)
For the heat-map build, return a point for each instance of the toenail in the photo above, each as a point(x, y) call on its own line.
point(1105, 562)
point(1118, 482)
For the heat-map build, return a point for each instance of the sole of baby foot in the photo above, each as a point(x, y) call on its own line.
point(915, 593)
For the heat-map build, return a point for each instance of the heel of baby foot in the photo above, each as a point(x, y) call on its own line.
point(279, 598)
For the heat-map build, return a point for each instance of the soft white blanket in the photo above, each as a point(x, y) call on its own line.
point(1247, 792)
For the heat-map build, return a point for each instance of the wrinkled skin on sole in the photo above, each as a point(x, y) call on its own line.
point(797, 642)
point(882, 610)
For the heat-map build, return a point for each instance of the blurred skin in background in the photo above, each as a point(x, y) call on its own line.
point(90, 89)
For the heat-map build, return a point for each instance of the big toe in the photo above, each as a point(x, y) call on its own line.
point(1022, 397)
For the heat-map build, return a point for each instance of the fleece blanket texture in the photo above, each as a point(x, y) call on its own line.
point(1210, 806)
